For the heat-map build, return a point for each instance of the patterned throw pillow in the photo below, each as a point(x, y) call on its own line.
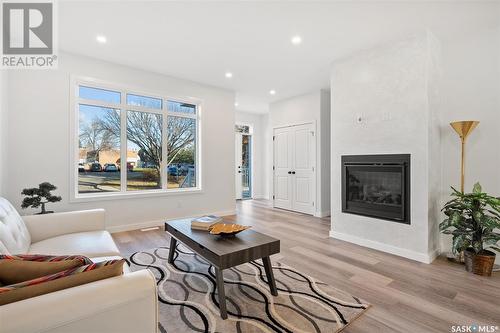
point(24, 267)
point(62, 280)
point(44, 258)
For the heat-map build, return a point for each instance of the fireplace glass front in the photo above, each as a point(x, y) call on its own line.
point(376, 186)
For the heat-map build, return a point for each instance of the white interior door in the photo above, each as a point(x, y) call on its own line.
point(294, 168)
point(282, 168)
point(303, 178)
point(238, 164)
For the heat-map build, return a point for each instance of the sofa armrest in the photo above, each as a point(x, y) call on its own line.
point(51, 225)
point(126, 303)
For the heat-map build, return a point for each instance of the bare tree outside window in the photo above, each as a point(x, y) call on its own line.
point(95, 138)
point(145, 131)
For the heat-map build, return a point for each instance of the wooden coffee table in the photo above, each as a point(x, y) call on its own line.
point(225, 252)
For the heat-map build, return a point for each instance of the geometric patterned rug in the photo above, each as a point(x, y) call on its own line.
point(189, 302)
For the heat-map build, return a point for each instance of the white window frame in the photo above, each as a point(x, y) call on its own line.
point(75, 100)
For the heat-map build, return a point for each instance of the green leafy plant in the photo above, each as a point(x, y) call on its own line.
point(36, 197)
point(472, 219)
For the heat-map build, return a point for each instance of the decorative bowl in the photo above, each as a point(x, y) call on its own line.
point(222, 229)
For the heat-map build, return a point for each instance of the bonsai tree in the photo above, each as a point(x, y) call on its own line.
point(36, 197)
point(472, 219)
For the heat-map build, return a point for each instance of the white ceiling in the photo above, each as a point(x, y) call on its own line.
point(200, 41)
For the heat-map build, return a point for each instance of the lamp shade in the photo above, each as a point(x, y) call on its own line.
point(464, 128)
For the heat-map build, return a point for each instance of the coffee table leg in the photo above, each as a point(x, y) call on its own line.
point(173, 245)
point(222, 294)
point(270, 276)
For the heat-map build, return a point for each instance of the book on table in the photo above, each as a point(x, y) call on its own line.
point(205, 222)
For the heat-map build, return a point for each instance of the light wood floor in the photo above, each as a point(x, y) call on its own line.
point(406, 296)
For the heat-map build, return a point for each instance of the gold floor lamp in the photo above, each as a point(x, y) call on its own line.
point(463, 128)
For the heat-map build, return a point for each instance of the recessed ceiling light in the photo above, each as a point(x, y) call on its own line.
point(272, 92)
point(229, 75)
point(101, 39)
point(236, 104)
point(296, 40)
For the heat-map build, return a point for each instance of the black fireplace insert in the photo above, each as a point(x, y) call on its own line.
point(377, 186)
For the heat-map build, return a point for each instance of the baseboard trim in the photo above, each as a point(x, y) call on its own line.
point(135, 226)
point(159, 223)
point(433, 255)
point(425, 258)
point(322, 214)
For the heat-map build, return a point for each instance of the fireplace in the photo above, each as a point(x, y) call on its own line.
point(377, 186)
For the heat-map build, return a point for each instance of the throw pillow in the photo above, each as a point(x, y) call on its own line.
point(66, 279)
point(19, 268)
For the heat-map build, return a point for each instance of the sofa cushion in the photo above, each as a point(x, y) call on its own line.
point(59, 281)
point(89, 243)
point(14, 236)
point(16, 269)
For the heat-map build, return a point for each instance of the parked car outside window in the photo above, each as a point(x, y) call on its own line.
point(96, 167)
point(183, 169)
point(172, 169)
point(110, 167)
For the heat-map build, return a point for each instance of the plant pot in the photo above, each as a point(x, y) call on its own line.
point(482, 263)
point(469, 255)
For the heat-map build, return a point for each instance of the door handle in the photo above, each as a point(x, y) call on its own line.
point(289, 172)
point(239, 171)
point(293, 172)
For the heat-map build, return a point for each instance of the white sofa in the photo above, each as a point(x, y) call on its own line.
point(126, 303)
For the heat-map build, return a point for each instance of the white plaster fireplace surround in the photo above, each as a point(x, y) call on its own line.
point(384, 101)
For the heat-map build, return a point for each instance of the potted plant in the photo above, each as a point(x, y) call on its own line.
point(472, 219)
point(40, 196)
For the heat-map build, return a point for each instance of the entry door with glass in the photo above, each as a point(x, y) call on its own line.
point(243, 167)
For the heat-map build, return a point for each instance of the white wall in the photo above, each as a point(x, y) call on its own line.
point(3, 131)
point(471, 91)
point(268, 156)
point(325, 146)
point(39, 136)
point(312, 107)
point(388, 87)
point(257, 122)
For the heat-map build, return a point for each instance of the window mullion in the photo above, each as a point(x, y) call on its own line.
point(182, 115)
point(93, 102)
point(164, 150)
point(144, 109)
point(123, 145)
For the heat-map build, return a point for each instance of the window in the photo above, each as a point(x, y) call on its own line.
point(144, 136)
point(182, 148)
point(242, 129)
point(148, 102)
point(99, 94)
point(181, 107)
point(134, 143)
point(98, 148)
